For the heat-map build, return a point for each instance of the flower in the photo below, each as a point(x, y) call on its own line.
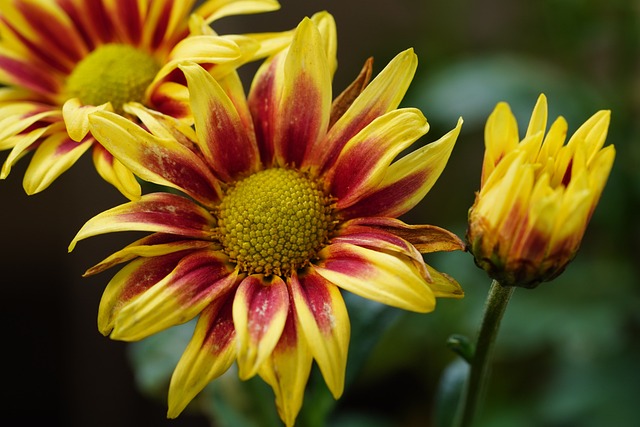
point(536, 195)
point(62, 59)
point(283, 210)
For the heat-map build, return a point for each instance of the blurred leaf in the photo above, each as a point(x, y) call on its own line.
point(154, 359)
point(449, 392)
point(230, 402)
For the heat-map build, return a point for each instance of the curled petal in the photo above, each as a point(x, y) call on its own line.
point(425, 238)
point(386, 278)
point(323, 318)
point(259, 313)
point(407, 180)
point(155, 212)
point(210, 353)
point(443, 285)
point(115, 173)
point(287, 369)
point(163, 161)
point(136, 307)
point(76, 117)
point(343, 101)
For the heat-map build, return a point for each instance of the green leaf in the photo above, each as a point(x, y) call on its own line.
point(449, 392)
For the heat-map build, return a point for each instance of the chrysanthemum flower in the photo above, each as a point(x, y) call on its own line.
point(285, 209)
point(62, 59)
point(537, 195)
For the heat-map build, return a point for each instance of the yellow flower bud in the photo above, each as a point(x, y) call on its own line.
point(537, 194)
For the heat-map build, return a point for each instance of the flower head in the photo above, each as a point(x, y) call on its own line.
point(62, 59)
point(286, 207)
point(537, 195)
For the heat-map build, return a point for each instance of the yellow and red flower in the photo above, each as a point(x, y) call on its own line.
point(286, 205)
point(62, 59)
point(536, 195)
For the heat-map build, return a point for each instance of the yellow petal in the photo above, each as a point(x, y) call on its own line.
point(208, 355)
point(287, 370)
point(323, 318)
point(259, 313)
point(386, 278)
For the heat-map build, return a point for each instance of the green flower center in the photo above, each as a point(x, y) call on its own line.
point(274, 221)
point(118, 73)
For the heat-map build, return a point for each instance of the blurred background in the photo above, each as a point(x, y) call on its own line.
point(567, 353)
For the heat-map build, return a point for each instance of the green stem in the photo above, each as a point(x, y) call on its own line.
point(495, 307)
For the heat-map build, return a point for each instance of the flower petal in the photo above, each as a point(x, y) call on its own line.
point(259, 313)
point(208, 355)
point(343, 101)
point(176, 298)
point(16, 117)
point(325, 322)
point(365, 159)
point(382, 277)
point(171, 99)
point(222, 135)
point(54, 156)
point(24, 143)
point(200, 49)
point(130, 282)
point(115, 173)
point(156, 212)
point(163, 161)
point(443, 285)
point(76, 117)
point(381, 241)
point(43, 33)
point(500, 136)
point(154, 245)
point(304, 102)
point(213, 10)
point(407, 180)
point(425, 238)
point(382, 95)
point(287, 370)
point(127, 19)
point(264, 106)
point(33, 75)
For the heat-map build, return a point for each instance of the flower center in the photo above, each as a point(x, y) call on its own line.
point(114, 72)
point(274, 221)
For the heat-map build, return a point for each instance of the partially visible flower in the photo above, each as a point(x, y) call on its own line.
point(290, 201)
point(536, 195)
point(62, 59)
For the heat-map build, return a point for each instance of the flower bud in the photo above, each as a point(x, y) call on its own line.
point(537, 194)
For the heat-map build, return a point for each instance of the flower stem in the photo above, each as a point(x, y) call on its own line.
point(495, 307)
